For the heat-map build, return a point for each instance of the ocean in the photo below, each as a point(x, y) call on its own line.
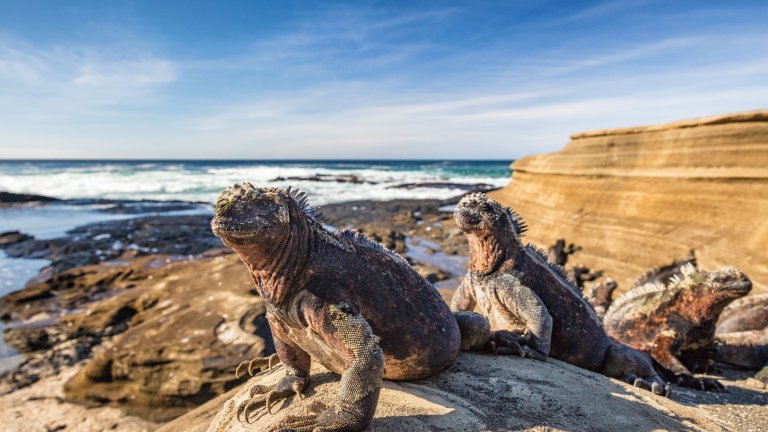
point(202, 180)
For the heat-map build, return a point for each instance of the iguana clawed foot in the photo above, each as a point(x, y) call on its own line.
point(257, 362)
point(655, 387)
point(264, 396)
point(703, 384)
point(343, 417)
point(505, 342)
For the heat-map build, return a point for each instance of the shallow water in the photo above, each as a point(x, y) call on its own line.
point(429, 253)
point(14, 274)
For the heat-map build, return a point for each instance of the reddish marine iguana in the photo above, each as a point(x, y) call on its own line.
point(342, 300)
point(515, 285)
point(666, 321)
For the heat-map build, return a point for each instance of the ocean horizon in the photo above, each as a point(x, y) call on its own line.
point(202, 180)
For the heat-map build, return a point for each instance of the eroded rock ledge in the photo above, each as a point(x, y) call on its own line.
point(480, 392)
point(640, 197)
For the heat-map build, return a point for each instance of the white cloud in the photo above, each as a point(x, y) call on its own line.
point(81, 77)
point(131, 73)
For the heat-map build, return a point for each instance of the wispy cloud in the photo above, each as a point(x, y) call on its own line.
point(78, 75)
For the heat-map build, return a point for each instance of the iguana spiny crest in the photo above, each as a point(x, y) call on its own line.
point(707, 294)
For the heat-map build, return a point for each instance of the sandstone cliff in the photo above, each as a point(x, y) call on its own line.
point(640, 197)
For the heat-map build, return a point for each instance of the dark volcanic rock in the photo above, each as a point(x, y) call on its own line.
point(10, 198)
point(473, 187)
point(139, 207)
point(334, 178)
point(11, 237)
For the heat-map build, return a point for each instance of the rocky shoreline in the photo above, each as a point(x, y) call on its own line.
point(151, 314)
point(118, 296)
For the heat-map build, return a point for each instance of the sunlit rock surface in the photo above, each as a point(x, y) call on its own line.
point(480, 392)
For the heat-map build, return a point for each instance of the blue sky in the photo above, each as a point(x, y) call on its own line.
point(325, 79)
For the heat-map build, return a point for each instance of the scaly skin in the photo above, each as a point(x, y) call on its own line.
point(339, 299)
point(666, 321)
point(515, 287)
point(744, 314)
point(747, 349)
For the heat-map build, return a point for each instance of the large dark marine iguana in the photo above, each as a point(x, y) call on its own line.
point(515, 286)
point(342, 300)
point(667, 321)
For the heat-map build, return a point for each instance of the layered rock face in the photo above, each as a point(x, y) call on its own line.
point(641, 197)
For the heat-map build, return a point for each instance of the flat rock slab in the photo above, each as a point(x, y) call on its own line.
point(480, 392)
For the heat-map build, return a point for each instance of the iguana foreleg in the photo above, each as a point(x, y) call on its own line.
point(633, 367)
point(522, 302)
point(463, 299)
point(349, 334)
point(296, 363)
point(666, 344)
point(476, 335)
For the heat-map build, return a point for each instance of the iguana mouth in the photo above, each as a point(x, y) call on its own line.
point(738, 288)
point(240, 212)
point(226, 227)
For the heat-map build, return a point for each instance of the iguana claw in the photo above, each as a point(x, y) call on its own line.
point(654, 387)
point(703, 384)
point(259, 362)
point(266, 396)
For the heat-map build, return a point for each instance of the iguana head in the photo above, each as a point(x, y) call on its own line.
point(268, 228)
point(492, 230)
point(246, 214)
point(478, 214)
point(712, 291)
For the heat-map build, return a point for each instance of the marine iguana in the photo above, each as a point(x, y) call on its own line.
point(745, 314)
point(745, 349)
point(342, 300)
point(559, 252)
point(666, 321)
point(514, 284)
point(599, 295)
point(580, 274)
